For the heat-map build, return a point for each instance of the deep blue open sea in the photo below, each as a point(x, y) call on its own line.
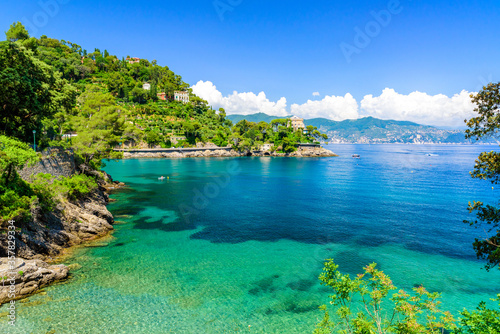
point(227, 245)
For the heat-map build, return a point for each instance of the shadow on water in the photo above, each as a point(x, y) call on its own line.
point(264, 286)
point(302, 284)
point(147, 224)
point(306, 201)
point(352, 262)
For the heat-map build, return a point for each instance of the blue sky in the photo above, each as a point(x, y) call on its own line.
point(290, 49)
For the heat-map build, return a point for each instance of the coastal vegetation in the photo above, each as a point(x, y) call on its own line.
point(17, 196)
point(89, 91)
point(487, 167)
point(364, 304)
point(371, 130)
point(55, 93)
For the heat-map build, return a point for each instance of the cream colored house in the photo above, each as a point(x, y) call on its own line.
point(266, 147)
point(146, 86)
point(297, 123)
point(181, 96)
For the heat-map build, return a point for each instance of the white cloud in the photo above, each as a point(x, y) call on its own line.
point(337, 108)
point(240, 103)
point(438, 110)
point(419, 107)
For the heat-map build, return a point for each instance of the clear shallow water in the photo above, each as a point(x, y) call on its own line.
point(245, 256)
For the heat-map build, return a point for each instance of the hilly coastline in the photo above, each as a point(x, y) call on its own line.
point(370, 130)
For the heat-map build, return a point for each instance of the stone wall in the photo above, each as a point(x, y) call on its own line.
point(55, 161)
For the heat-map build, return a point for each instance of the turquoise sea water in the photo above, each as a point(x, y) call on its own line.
point(236, 245)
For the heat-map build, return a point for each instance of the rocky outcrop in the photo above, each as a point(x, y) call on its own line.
point(48, 233)
point(308, 152)
point(45, 236)
point(313, 152)
point(55, 161)
point(69, 224)
point(21, 278)
point(182, 154)
point(301, 152)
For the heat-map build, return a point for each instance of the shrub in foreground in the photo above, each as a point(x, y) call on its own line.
point(364, 305)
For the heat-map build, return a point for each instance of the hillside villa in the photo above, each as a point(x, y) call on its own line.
point(297, 123)
point(181, 96)
point(133, 60)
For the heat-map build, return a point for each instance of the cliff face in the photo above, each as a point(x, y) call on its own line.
point(48, 233)
point(45, 236)
point(55, 161)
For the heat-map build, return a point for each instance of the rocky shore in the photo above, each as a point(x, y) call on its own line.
point(25, 277)
point(47, 234)
point(45, 237)
point(301, 152)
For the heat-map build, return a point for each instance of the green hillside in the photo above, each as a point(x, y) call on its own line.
point(56, 88)
point(373, 130)
point(55, 93)
point(360, 124)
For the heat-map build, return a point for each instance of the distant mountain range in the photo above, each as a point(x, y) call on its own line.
point(372, 130)
point(259, 117)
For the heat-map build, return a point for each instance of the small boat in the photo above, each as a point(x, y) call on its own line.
point(161, 178)
point(356, 156)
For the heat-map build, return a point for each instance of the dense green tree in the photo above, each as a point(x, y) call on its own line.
point(30, 91)
point(288, 145)
point(15, 194)
point(152, 138)
point(17, 32)
point(13, 155)
point(100, 125)
point(487, 167)
point(486, 124)
point(480, 321)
